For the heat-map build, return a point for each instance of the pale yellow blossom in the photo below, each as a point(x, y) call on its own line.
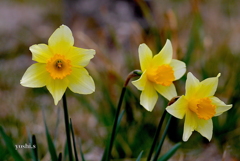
point(198, 106)
point(60, 65)
point(159, 72)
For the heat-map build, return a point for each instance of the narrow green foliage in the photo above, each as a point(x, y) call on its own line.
point(11, 148)
point(65, 154)
point(107, 152)
point(51, 146)
point(156, 136)
point(90, 108)
point(55, 136)
point(73, 138)
point(170, 153)
point(195, 39)
point(81, 152)
point(139, 156)
point(120, 118)
point(146, 11)
point(108, 143)
point(60, 157)
point(162, 139)
point(34, 150)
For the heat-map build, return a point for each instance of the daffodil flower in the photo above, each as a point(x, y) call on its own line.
point(198, 106)
point(60, 65)
point(159, 72)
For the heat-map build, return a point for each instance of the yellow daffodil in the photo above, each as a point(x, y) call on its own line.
point(159, 72)
point(198, 106)
point(60, 65)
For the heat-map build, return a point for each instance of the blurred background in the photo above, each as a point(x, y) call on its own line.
point(204, 34)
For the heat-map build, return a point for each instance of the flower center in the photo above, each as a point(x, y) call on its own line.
point(59, 67)
point(163, 75)
point(203, 108)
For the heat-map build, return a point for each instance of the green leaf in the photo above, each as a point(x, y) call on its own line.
point(196, 37)
point(55, 134)
point(120, 118)
point(81, 152)
point(51, 146)
point(158, 151)
point(73, 139)
point(108, 143)
point(65, 152)
point(60, 157)
point(11, 148)
point(105, 152)
point(34, 150)
point(170, 153)
point(139, 156)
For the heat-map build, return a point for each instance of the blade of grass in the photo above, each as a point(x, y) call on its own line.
point(195, 40)
point(73, 138)
point(34, 150)
point(171, 152)
point(120, 118)
point(57, 123)
point(10, 146)
point(65, 154)
point(156, 136)
point(146, 11)
point(162, 140)
point(51, 146)
point(108, 149)
point(81, 152)
point(60, 157)
point(139, 156)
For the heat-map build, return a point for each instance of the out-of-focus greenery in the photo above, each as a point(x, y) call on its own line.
point(204, 34)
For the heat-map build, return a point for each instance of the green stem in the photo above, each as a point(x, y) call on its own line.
point(162, 139)
point(156, 135)
point(67, 127)
point(131, 75)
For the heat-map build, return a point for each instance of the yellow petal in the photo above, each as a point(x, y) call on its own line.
point(192, 85)
point(178, 108)
point(35, 76)
point(166, 91)
point(145, 56)
point(61, 40)
point(57, 87)
point(148, 97)
point(41, 53)
point(80, 57)
point(178, 67)
point(189, 125)
point(164, 56)
point(80, 81)
point(140, 83)
point(207, 87)
point(220, 105)
point(205, 128)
